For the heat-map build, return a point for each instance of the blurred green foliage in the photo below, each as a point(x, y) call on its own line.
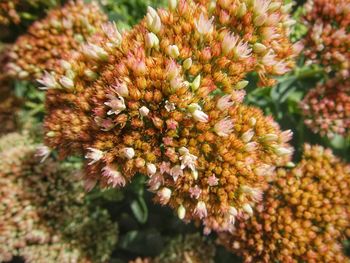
point(128, 12)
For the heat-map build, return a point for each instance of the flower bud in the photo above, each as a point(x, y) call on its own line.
point(260, 20)
point(139, 162)
point(153, 21)
point(48, 81)
point(94, 52)
point(181, 212)
point(242, 84)
point(172, 4)
point(224, 103)
point(251, 146)
point(111, 31)
point(248, 209)
point(152, 41)
point(187, 64)
point(164, 195)
point(144, 111)
point(259, 48)
point(173, 51)
point(233, 211)
point(193, 106)
point(200, 116)
point(200, 210)
point(247, 136)
point(281, 151)
point(151, 169)
point(91, 75)
point(194, 174)
point(242, 10)
point(50, 134)
point(204, 26)
point(270, 137)
point(252, 121)
point(196, 83)
point(65, 64)
point(274, 6)
point(128, 153)
point(67, 82)
point(122, 89)
point(290, 165)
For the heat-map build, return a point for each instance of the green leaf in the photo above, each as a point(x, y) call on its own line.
point(140, 210)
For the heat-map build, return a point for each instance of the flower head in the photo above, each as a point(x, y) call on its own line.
point(305, 199)
point(94, 155)
point(48, 81)
point(113, 176)
point(164, 195)
point(43, 152)
point(204, 26)
point(224, 127)
point(200, 210)
point(111, 31)
point(116, 103)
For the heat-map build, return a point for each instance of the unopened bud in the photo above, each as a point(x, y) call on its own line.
point(128, 152)
point(181, 212)
point(196, 83)
point(187, 64)
point(66, 82)
point(152, 41)
point(151, 168)
point(173, 51)
point(259, 48)
point(242, 84)
point(242, 10)
point(172, 4)
point(144, 111)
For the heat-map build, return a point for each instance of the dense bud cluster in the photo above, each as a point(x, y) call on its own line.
point(165, 100)
point(8, 12)
point(52, 38)
point(304, 216)
point(326, 108)
point(265, 26)
point(8, 107)
point(44, 216)
point(328, 40)
point(327, 43)
point(191, 248)
point(8, 102)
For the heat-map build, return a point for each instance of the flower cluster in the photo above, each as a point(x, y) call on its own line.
point(262, 25)
point(52, 38)
point(328, 40)
point(326, 108)
point(8, 12)
point(165, 100)
point(327, 43)
point(44, 216)
point(8, 102)
point(304, 216)
point(189, 248)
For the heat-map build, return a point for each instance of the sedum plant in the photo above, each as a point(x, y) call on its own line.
point(304, 216)
point(165, 100)
point(327, 45)
point(44, 214)
point(53, 38)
